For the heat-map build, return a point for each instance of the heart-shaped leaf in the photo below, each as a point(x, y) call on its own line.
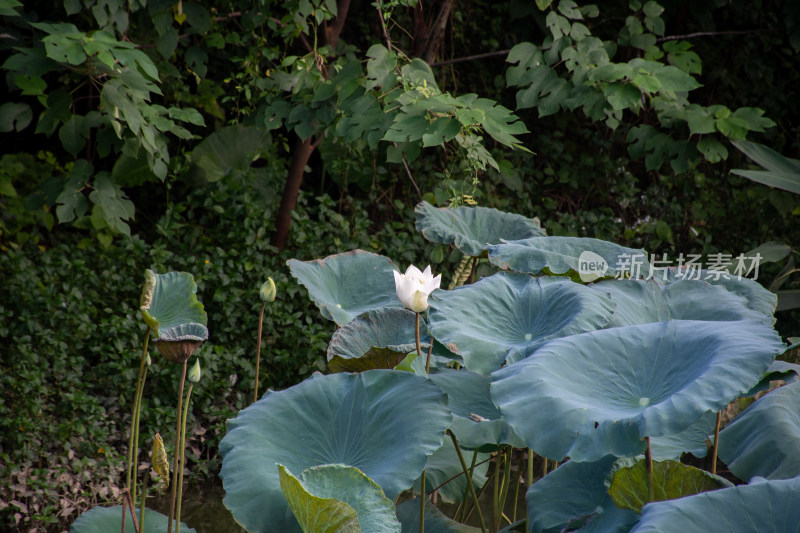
point(764, 506)
point(671, 480)
point(507, 315)
point(602, 392)
point(338, 498)
point(380, 338)
point(346, 285)
point(470, 229)
point(578, 257)
point(350, 419)
point(169, 300)
point(765, 439)
point(574, 497)
point(106, 519)
point(229, 151)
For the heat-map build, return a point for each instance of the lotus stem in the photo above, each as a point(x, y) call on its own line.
point(468, 474)
point(545, 466)
point(480, 493)
point(177, 451)
point(422, 503)
point(258, 349)
point(133, 443)
point(530, 467)
point(716, 444)
point(496, 493)
point(139, 397)
point(463, 509)
point(422, 485)
point(506, 479)
point(183, 459)
point(651, 489)
point(144, 502)
point(516, 488)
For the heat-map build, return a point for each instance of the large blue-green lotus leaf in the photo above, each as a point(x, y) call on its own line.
point(767, 506)
point(435, 520)
point(692, 440)
point(507, 315)
point(445, 466)
point(765, 439)
point(759, 298)
point(560, 255)
point(477, 422)
point(108, 519)
point(574, 497)
point(602, 392)
point(348, 284)
point(642, 302)
point(470, 229)
point(351, 419)
point(338, 498)
point(777, 371)
point(380, 338)
point(169, 300)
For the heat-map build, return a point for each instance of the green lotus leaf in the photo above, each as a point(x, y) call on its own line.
point(671, 480)
point(692, 440)
point(764, 506)
point(477, 422)
point(777, 371)
point(470, 229)
point(348, 284)
point(574, 497)
point(602, 392)
point(229, 151)
point(765, 439)
point(380, 338)
point(445, 466)
point(507, 315)
point(349, 419)
point(106, 519)
point(758, 298)
point(562, 255)
point(338, 499)
point(169, 300)
point(435, 520)
point(643, 302)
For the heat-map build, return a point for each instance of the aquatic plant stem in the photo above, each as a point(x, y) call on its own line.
point(516, 488)
point(651, 489)
point(716, 444)
point(422, 485)
point(136, 431)
point(468, 474)
point(183, 459)
point(144, 502)
point(177, 451)
point(258, 350)
point(136, 406)
point(530, 467)
point(496, 493)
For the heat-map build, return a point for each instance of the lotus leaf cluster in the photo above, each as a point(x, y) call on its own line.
point(617, 377)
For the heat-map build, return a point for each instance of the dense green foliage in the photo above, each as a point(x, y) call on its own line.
point(109, 129)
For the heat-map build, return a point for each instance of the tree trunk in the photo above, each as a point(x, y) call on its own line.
point(436, 36)
point(300, 156)
point(302, 150)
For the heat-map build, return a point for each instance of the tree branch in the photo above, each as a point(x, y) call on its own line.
point(705, 34)
point(470, 58)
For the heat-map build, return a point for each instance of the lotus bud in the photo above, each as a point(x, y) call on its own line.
point(147, 360)
point(268, 291)
point(195, 373)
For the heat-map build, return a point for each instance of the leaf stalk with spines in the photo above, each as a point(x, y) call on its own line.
point(183, 459)
point(468, 474)
point(716, 444)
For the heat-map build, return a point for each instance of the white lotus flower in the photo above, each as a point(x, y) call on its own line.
point(414, 287)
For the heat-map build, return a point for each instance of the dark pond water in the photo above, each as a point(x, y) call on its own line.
point(202, 509)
